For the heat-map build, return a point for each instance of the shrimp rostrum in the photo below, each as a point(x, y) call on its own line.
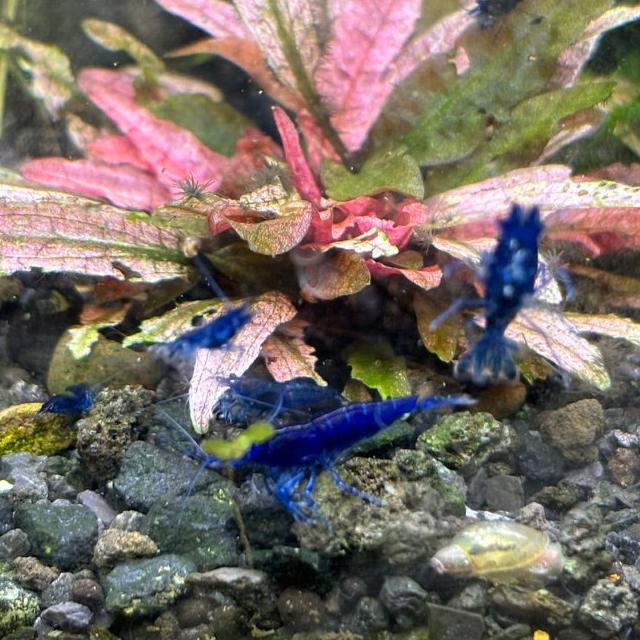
point(293, 457)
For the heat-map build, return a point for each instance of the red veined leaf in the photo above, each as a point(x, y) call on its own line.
point(216, 17)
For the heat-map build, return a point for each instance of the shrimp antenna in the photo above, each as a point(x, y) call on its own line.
point(204, 266)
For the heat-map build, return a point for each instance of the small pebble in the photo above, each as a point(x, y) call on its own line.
point(301, 610)
point(88, 592)
point(68, 616)
point(32, 574)
point(505, 493)
point(14, 543)
point(405, 600)
point(100, 507)
point(114, 546)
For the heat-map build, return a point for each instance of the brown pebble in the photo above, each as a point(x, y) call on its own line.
point(32, 574)
point(301, 610)
point(88, 592)
point(501, 400)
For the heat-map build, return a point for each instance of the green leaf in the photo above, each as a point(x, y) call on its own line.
point(441, 117)
point(114, 38)
point(216, 124)
point(256, 433)
point(378, 367)
point(442, 341)
point(385, 171)
point(523, 137)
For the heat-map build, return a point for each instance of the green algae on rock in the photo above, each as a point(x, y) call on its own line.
point(146, 587)
point(22, 428)
point(465, 441)
point(18, 607)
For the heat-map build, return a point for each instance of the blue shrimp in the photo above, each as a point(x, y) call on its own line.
point(211, 335)
point(510, 274)
point(76, 400)
point(292, 458)
point(250, 399)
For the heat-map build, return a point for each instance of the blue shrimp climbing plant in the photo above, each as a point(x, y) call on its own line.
point(407, 130)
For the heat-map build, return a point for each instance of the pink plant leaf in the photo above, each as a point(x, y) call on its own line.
point(288, 356)
point(303, 179)
point(606, 325)
point(84, 236)
point(551, 335)
point(319, 148)
point(123, 185)
point(618, 172)
point(355, 76)
point(174, 153)
point(116, 149)
point(399, 235)
point(216, 17)
point(214, 366)
point(439, 38)
point(284, 30)
point(603, 230)
point(573, 59)
point(247, 55)
point(426, 278)
point(326, 276)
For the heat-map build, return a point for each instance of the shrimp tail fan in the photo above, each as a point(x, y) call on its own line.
point(489, 361)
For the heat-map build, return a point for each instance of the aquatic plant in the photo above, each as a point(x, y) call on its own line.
point(390, 102)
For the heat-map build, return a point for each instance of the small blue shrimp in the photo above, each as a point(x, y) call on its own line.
point(211, 335)
point(76, 400)
point(510, 274)
point(292, 458)
point(251, 399)
point(489, 11)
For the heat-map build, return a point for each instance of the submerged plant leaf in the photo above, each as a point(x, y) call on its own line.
point(386, 171)
point(83, 236)
point(606, 325)
point(425, 278)
point(442, 341)
point(288, 356)
point(217, 17)
point(375, 364)
point(214, 367)
point(331, 275)
point(123, 185)
point(114, 38)
point(354, 77)
point(216, 124)
point(520, 140)
point(554, 337)
point(255, 433)
point(51, 79)
point(279, 234)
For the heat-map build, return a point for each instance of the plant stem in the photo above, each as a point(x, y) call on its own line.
point(8, 13)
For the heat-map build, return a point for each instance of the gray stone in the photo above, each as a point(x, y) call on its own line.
point(201, 527)
point(505, 493)
point(607, 608)
point(473, 597)
point(527, 605)
point(18, 607)
point(6, 514)
point(446, 623)
point(25, 472)
point(100, 507)
point(59, 488)
point(538, 460)
point(405, 600)
point(368, 616)
point(343, 597)
point(586, 477)
point(146, 587)
point(149, 474)
point(129, 521)
point(68, 616)
point(61, 534)
point(14, 543)
point(58, 591)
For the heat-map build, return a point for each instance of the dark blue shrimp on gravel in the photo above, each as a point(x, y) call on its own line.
point(509, 278)
point(74, 401)
point(292, 458)
point(249, 399)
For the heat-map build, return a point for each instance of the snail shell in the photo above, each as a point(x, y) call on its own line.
point(502, 552)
